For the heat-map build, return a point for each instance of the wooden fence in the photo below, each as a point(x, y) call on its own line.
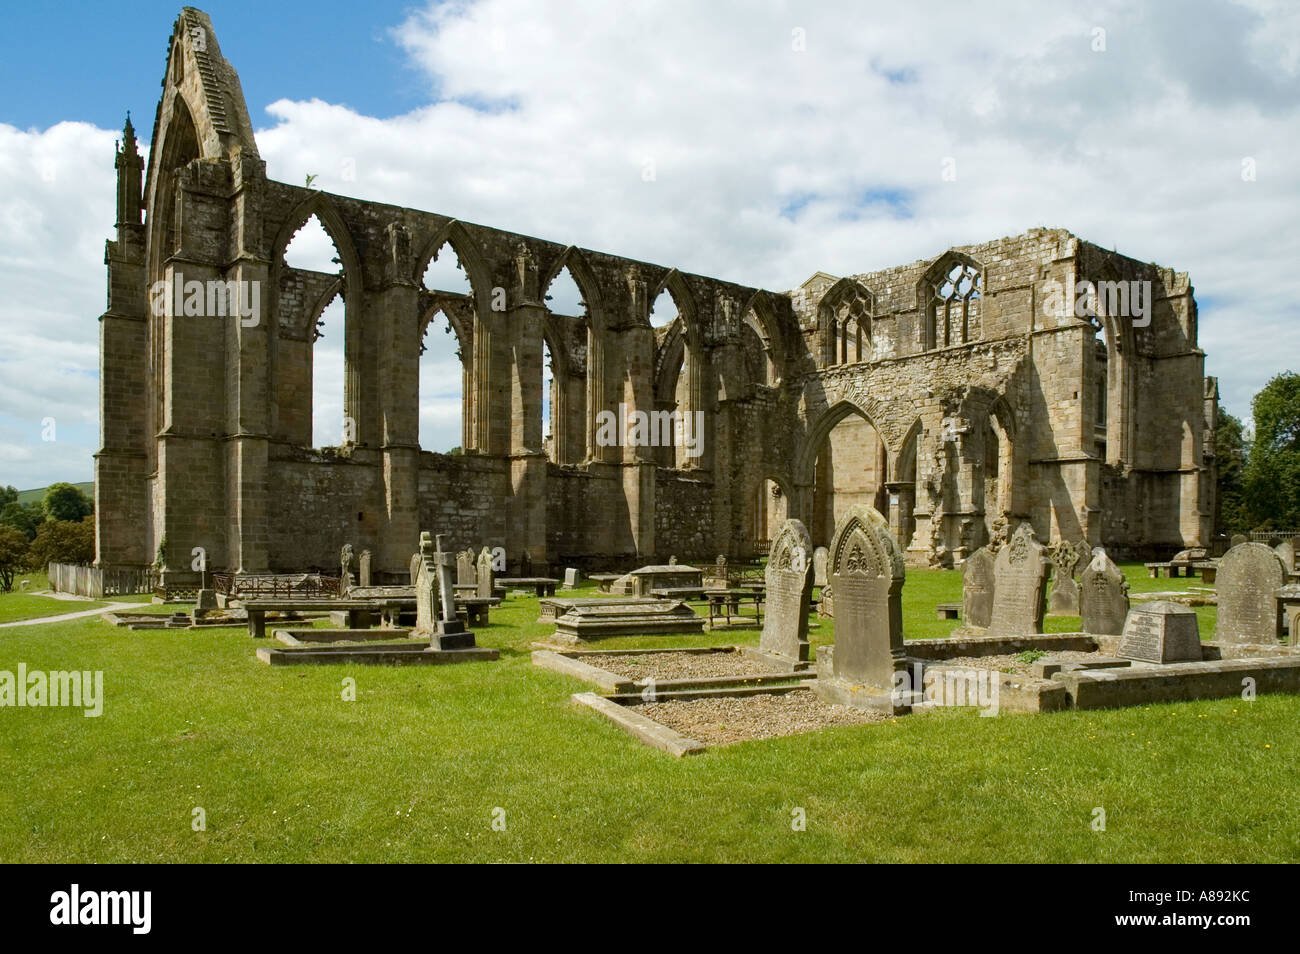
point(99, 582)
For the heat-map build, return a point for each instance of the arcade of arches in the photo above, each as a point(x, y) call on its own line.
point(601, 411)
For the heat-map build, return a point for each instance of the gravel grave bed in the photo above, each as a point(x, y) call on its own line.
point(1010, 664)
point(719, 721)
point(679, 665)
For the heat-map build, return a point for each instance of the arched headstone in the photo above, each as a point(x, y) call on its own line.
point(789, 587)
point(1247, 577)
point(1103, 596)
point(486, 573)
point(1019, 574)
point(866, 571)
point(821, 557)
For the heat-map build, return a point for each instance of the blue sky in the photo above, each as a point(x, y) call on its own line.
point(785, 138)
point(90, 62)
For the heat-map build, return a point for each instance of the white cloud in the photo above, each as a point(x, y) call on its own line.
point(770, 163)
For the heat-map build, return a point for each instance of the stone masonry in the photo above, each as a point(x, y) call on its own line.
point(949, 394)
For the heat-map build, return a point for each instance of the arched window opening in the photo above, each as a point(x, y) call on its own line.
point(446, 274)
point(770, 508)
point(566, 347)
point(311, 249)
point(664, 310)
point(328, 427)
point(953, 311)
point(441, 387)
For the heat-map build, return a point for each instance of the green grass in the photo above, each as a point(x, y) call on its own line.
point(286, 770)
point(18, 606)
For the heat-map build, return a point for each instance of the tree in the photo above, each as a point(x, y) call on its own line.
point(8, 495)
point(63, 501)
point(13, 556)
point(24, 517)
point(1230, 455)
point(1271, 477)
point(63, 541)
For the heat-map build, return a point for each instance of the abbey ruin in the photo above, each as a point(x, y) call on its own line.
point(1035, 378)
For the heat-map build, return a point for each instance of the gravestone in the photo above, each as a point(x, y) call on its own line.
point(866, 572)
point(345, 569)
point(466, 575)
point(1103, 596)
point(789, 587)
point(205, 603)
point(820, 557)
point(977, 590)
point(571, 577)
point(1064, 597)
point(1238, 539)
point(1248, 577)
point(435, 604)
point(363, 568)
point(415, 566)
point(1019, 574)
point(486, 573)
point(1286, 553)
point(25, 585)
point(1161, 631)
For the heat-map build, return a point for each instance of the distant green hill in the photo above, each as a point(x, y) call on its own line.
point(37, 495)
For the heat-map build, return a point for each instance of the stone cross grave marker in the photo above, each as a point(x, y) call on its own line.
point(977, 590)
point(1064, 596)
point(1161, 631)
point(789, 588)
point(1019, 573)
point(1103, 596)
point(1248, 576)
point(866, 573)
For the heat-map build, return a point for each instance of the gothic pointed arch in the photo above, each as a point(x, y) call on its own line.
point(949, 300)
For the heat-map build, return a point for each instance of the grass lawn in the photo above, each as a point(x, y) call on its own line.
point(286, 770)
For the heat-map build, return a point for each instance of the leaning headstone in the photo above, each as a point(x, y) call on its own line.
point(977, 590)
point(1064, 597)
point(466, 575)
point(820, 558)
point(571, 577)
point(345, 569)
point(1019, 573)
point(363, 568)
point(1248, 576)
point(486, 574)
point(789, 586)
point(1161, 631)
point(1103, 596)
point(1286, 553)
point(866, 572)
